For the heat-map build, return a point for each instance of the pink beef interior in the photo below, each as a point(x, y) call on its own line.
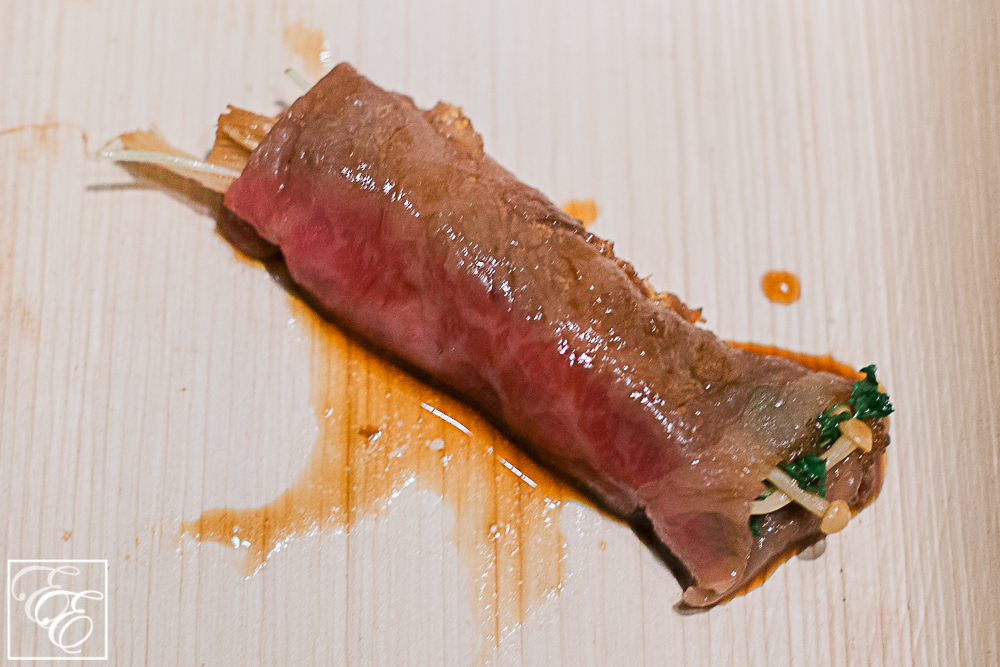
point(399, 224)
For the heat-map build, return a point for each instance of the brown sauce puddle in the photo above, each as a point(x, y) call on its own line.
point(378, 436)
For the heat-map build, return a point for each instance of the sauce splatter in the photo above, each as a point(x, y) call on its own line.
point(308, 44)
point(584, 210)
point(45, 140)
point(780, 287)
point(382, 431)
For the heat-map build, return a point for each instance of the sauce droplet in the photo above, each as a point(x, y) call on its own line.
point(780, 287)
point(584, 210)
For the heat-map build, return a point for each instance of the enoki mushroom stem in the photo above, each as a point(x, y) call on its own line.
point(166, 160)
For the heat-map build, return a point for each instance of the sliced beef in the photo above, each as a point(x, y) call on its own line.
point(397, 222)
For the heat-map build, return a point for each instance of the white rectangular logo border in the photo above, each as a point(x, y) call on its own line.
point(107, 574)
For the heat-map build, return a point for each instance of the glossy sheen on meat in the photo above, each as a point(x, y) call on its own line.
point(396, 221)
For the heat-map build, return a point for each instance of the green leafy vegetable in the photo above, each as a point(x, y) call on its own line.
point(757, 520)
point(809, 472)
point(866, 402)
point(829, 429)
point(867, 399)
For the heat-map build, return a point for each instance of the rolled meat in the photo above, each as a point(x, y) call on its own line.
point(399, 225)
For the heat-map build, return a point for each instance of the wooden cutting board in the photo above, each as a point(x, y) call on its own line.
point(161, 395)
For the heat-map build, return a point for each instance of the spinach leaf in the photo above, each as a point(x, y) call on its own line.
point(809, 472)
point(829, 429)
point(866, 402)
point(867, 399)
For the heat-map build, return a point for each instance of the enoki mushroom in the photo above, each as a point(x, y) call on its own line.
point(855, 434)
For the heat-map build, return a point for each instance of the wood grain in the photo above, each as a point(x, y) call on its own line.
point(148, 374)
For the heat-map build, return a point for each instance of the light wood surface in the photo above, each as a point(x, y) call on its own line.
point(148, 374)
